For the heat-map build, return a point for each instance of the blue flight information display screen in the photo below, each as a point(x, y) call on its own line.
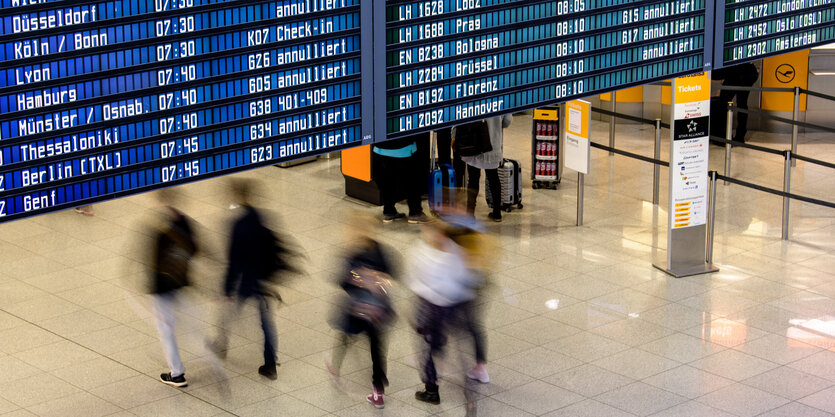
point(105, 98)
point(449, 61)
point(759, 28)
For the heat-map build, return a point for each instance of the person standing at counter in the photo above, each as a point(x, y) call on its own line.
point(400, 166)
point(743, 75)
point(488, 161)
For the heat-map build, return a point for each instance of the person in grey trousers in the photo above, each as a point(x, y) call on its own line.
point(489, 162)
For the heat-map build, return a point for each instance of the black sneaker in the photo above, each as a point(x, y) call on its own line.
point(428, 397)
point(388, 218)
point(268, 370)
point(175, 381)
point(496, 217)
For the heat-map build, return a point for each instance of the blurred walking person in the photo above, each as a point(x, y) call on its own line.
point(254, 256)
point(477, 250)
point(437, 273)
point(367, 309)
point(171, 252)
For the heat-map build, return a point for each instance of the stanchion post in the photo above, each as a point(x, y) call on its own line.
point(711, 217)
point(579, 199)
point(728, 132)
point(656, 169)
point(612, 122)
point(795, 115)
point(787, 181)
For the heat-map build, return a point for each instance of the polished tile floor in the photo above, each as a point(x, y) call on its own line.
point(580, 323)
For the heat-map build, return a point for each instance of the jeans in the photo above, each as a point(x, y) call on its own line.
point(164, 310)
point(473, 178)
point(267, 326)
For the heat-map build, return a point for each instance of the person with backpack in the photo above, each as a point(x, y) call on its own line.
point(367, 307)
point(255, 254)
point(171, 252)
point(486, 155)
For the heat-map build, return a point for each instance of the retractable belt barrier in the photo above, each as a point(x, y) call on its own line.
point(776, 192)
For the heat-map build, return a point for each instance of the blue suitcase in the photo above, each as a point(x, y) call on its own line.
point(442, 184)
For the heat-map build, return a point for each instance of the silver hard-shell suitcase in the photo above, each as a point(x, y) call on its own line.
point(510, 176)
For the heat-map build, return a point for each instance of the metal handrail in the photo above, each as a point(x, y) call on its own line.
point(816, 94)
point(783, 119)
point(767, 89)
point(785, 193)
point(737, 144)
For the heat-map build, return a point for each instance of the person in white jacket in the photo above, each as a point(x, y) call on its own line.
point(437, 273)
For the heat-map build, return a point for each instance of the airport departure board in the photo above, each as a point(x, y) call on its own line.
point(105, 98)
point(100, 99)
point(754, 29)
point(453, 60)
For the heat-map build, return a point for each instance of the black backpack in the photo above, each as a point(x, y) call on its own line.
point(176, 248)
point(472, 139)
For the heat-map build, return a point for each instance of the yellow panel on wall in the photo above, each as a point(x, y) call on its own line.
point(787, 70)
point(627, 95)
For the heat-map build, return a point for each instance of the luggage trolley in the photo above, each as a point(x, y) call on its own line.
point(545, 149)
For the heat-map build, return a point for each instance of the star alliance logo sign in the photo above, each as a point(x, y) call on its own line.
point(692, 126)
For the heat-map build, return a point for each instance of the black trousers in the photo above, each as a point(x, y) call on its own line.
point(375, 342)
point(447, 156)
point(473, 178)
point(470, 321)
point(741, 118)
point(396, 174)
point(434, 323)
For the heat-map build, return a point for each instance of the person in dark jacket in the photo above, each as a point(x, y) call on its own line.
point(367, 309)
point(743, 75)
point(399, 166)
point(490, 162)
point(172, 249)
point(252, 255)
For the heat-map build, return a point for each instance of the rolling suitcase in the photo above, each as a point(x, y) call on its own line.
point(510, 176)
point(442, 183)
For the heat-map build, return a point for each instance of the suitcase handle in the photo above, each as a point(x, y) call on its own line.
point(433, 135)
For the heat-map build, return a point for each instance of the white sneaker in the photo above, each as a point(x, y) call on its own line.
point(478, 374)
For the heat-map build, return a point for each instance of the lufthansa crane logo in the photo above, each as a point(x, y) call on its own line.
point(785, 73)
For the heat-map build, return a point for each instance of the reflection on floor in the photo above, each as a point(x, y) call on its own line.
point(580, 323)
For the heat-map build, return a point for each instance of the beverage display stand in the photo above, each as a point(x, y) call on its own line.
point(545, 151)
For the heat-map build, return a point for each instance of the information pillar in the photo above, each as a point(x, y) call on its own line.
point(688, 198)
